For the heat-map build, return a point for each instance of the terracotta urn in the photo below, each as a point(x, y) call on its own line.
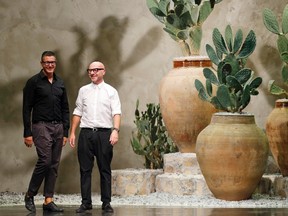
point(277, 133)
point(184, 114)
point(232, 152)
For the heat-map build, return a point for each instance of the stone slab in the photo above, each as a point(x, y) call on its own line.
point(181, 163)
point(182, 184)
point(128, 182)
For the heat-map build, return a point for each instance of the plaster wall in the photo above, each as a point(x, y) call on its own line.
point(130, 41)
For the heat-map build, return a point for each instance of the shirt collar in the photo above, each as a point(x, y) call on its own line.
point(42, 75)
point(100, 85)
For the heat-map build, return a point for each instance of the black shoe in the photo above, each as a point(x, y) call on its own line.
point(83, 208)
point(107, 207)
point(52, 207)
point(29, 203)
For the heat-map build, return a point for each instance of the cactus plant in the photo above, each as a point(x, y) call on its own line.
point(234, 82)
point(183, 20)
point(271, 23)
point(151, 138)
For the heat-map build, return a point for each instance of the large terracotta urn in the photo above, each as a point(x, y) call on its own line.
point(277, 133)
point(184, 114)
point(232, 152)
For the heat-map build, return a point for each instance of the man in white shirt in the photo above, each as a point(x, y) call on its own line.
point(98, 110)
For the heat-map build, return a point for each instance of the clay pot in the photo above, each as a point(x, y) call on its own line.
point(232, 153)
point(184, 114)
point(277, 133)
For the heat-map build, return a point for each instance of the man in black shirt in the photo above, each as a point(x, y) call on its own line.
point(45, 98)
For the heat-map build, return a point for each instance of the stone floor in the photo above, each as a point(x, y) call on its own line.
point(150, 211)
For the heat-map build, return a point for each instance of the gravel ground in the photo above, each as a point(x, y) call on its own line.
point(154, 199)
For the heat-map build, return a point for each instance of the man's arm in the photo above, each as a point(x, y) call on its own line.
point(75, 122)
point(28, 102)
point(116, 128)
point(65, 113)
point(28, 97)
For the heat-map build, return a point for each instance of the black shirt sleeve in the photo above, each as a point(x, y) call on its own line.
point(28, 102)
point(65, 113)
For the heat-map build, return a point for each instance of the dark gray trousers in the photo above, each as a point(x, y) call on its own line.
point(48, 140)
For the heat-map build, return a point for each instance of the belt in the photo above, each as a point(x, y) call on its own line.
point(48, 122)
point(96, 129)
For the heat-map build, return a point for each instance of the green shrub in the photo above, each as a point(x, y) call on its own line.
point(151, 137)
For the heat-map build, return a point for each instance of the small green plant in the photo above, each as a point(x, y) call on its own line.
point(271, 23)
point(234, 82)
point(182, 20)
point(151, 138)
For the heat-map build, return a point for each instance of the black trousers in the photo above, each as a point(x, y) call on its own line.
point(93, 144)
point(48, 140)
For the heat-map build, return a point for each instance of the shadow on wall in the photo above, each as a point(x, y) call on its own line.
point(106, 48)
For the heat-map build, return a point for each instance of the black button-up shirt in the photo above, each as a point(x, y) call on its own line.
point(45, 101)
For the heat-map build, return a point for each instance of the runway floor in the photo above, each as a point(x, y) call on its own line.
point(149, 211)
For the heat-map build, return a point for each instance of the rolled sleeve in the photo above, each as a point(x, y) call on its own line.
point(116, 104)
point(79, 105)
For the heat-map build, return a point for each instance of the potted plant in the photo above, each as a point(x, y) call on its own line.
point(182, 110)
point(151, 138)
point(277, 121)
point(232, 151)
point(183, 20)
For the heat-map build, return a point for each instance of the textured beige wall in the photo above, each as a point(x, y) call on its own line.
point(130, 41)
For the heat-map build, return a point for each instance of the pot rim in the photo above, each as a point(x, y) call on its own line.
point(233, 114)
point(282, 100)
point(281, 103)
point(191, 58)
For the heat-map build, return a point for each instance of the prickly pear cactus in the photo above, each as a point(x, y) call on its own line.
point(235, 83)
point(280, 29)
point(151, 137)
point(182, 20)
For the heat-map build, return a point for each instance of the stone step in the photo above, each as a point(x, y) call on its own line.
point(182, 184)
point(127, 182)
point(181, 175)
point(181, 163)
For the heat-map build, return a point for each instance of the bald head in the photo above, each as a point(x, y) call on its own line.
point(96, 72)
point(96, 64)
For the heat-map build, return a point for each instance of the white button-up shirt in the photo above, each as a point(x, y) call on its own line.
point(97, 104)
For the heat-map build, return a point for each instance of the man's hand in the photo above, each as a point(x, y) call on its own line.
point(64, 140)
point(72, 140)
point(28, 141)
point(114, 137)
